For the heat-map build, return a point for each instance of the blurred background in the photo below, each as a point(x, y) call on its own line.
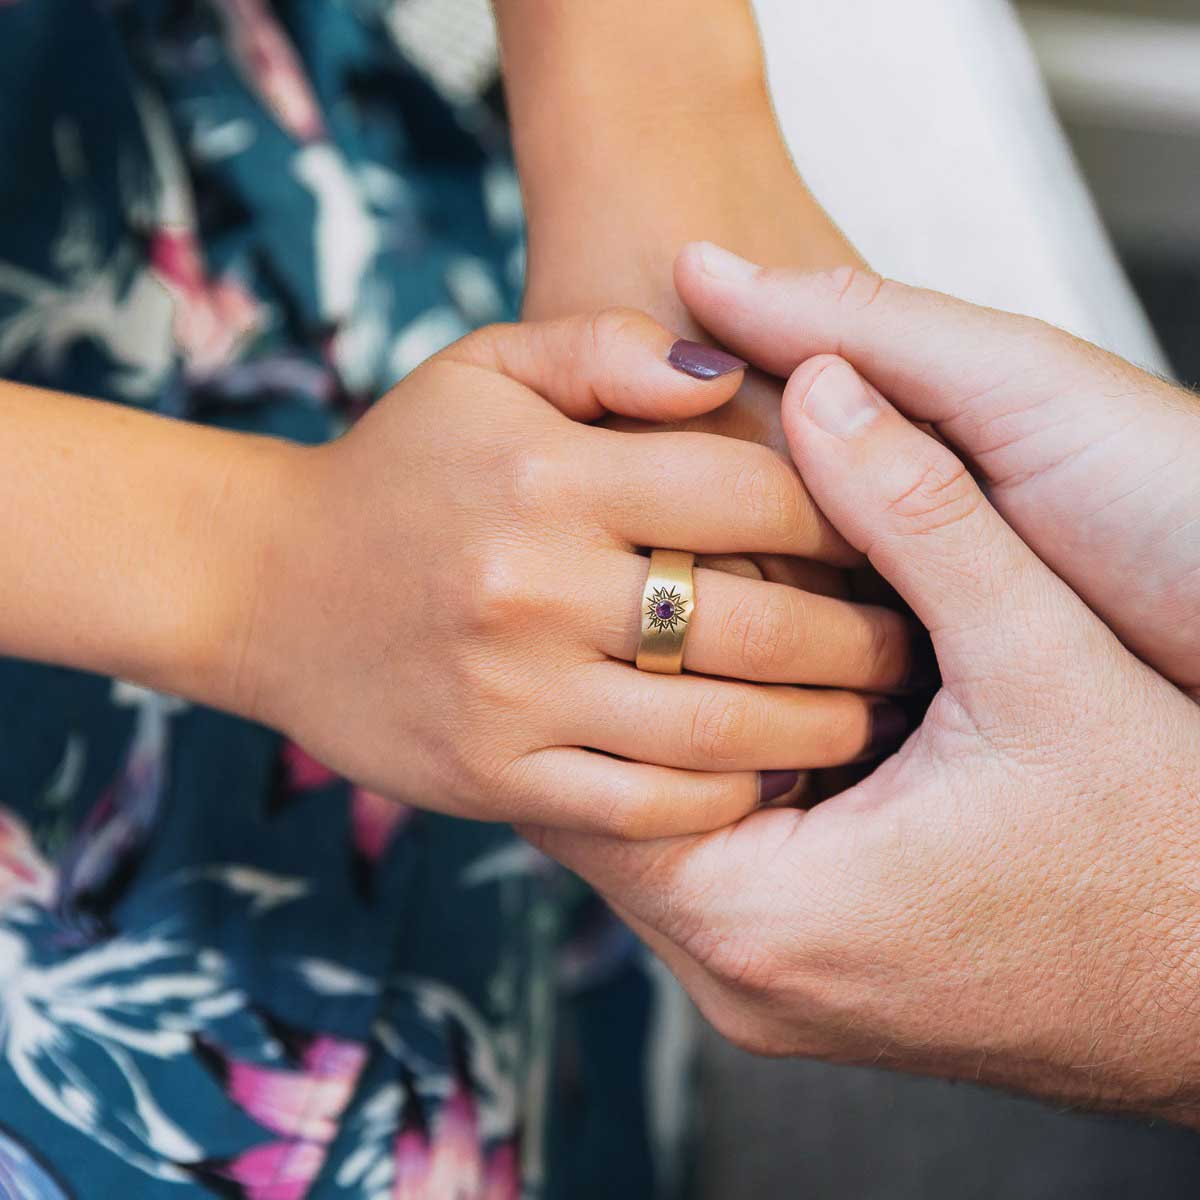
point(1125, 78)
point(961, 179)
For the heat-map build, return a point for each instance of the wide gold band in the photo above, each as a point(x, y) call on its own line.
point(668, 602)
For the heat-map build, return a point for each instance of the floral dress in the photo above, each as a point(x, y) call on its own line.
point(224, 971)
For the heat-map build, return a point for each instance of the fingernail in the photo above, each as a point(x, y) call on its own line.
point(923, 675)
point(703, 362)
point(839, 402)
point(725, 265)
point(773, 784)
point(889, 727)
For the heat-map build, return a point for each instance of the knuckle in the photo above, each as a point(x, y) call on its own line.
point(718, 729)
point(533, 477)
point(761, 489)
point(474, 348)
point(1041, 338)
point(761, 633)
point(498, 596)
point(611, 325)
point(855, 287)
point(489, 340)
point(629, 815)
point(938, 492)
point(474, 775)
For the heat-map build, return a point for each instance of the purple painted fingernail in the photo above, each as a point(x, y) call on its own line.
point(889, 727)
point(703, 362)
point(773, 784)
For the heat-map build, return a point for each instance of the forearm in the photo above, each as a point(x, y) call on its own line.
point(639, 127)
point(596, 90)
point(129, 543)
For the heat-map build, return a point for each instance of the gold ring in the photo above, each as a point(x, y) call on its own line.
point(668, 602)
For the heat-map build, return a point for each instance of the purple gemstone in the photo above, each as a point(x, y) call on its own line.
point(664, 610)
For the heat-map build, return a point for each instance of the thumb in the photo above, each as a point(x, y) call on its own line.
point(910, 505)
point(1083, 454)
point(1016, 396)
point(617, 360)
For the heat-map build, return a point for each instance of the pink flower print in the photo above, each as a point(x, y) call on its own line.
point(302, 772)
point(456, 1164)
point(235, 306)
point(273, 1171)
point(24, 874)
point(302, 1103)
point(97, 865)
point(412, 1166)
point(175, 256)
point(305, 1102)
point(327, 1056)
point(212, 319)
point(270, 67)
point(502, 1178)
point(374, 819)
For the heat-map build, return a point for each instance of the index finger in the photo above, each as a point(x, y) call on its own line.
point(616, 360)
point(708, 494)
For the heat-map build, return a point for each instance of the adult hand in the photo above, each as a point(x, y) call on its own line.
point(584, 255)
point(1092, 461)
point(452, 599)
point(1010, 898)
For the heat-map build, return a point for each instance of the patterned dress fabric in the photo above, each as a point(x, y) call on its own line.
point(223, 970)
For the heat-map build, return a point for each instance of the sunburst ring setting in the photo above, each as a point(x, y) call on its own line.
point(666, 609)
point(668, 602)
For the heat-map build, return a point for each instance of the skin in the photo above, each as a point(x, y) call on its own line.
point(1083, 454)
point(443, 604)
point(1011, 897)
point(638, 128)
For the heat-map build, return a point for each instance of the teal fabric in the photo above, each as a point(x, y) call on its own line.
point(223, 970)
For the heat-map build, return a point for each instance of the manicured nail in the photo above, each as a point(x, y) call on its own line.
point(923, 675)
point(889, 727)
point(773, 784)
point(839, 402)
point(723, 264)
point(703, 362)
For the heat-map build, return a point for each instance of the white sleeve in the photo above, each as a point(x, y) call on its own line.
point(924, 128)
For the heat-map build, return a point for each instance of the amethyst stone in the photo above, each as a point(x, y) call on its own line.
point(664, 610)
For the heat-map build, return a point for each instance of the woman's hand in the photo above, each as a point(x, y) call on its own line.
point(1092, 461)
point(451, 598)
point(1011, 898)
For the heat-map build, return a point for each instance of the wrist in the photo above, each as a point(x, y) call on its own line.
point(583, 255)
point(657, 162)
point(628, 96)
point(221, 653)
